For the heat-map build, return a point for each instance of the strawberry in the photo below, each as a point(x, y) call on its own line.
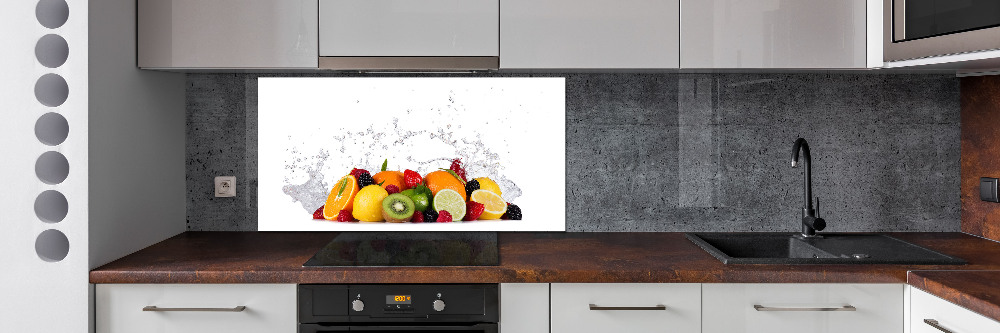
point(473, 210)
point(418, 217)
point(318, 214)
point(357, 172)
point(444, 216)
point(456, 166)
point(345, 216)
point(392, 189)
point(411, 178)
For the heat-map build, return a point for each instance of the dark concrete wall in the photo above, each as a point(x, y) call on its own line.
point(682, 152)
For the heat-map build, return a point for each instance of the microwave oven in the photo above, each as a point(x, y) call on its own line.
point(915, 29)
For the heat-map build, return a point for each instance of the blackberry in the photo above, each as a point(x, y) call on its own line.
point(513, 212)
point(365, 179)
point(430, 215)
point(472, 185)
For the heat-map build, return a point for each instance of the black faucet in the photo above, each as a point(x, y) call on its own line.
point(810, 222)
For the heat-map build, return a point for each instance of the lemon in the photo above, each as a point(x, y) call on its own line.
point(368, 203)
point(494, 204)
point(451, 201)
point(489, 185)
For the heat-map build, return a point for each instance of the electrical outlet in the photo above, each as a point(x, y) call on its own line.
point(225, 186)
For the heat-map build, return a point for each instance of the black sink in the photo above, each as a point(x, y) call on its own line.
point(788, 248)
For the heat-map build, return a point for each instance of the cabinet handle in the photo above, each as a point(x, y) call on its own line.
point(630, 308)
point(759, 307)
point(233, 309)
point(935, 324)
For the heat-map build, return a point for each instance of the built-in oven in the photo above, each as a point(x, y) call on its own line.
point(927, 28)
point(466, 308)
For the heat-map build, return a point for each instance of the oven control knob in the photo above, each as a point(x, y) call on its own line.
point(358, 305)
point(438, 305)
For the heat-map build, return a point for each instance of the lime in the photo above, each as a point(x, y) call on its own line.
point(451, 201)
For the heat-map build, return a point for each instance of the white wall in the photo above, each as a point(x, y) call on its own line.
point(137, 185)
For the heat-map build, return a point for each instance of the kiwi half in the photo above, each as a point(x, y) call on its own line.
point(397, 208)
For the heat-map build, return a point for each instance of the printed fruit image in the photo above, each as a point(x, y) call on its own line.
point(488, 184)
point(368, 203)
point(387, 178)
point(420, 195)
point(441, 179)
point(397, 208)
point(494, 208)
point(451, 201)
point(341, 197)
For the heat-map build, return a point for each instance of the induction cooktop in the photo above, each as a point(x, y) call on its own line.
point(408, 249)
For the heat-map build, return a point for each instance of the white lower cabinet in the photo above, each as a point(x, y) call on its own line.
point(195, 308)
point(930, 314)
point(524, 308)
point(626, 307)
point(802, 308)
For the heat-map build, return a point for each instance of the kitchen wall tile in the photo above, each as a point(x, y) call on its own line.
point(682, 152)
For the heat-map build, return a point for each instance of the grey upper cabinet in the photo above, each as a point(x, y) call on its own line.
point(589, 34)
point(777, 34)
point(220, 34)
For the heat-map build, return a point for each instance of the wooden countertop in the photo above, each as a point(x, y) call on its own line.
point(978, 291)
point(277, 257)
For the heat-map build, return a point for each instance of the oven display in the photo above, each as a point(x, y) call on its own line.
point(397, 299)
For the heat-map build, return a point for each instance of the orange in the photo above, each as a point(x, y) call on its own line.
point(387, 178)
point(368, 204)
point(440, 180)
point(340, 200)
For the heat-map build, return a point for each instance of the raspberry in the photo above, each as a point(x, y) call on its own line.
point(513, 212)
point(411, 178)
point(444, 216)
point(392, 189)
point(417, 217)
point(365, 179)
point(318, 214)
point(472, 185)
point(357, 172)
point(430, 215)
point(456, 166)
point(473, 210)
point(344, 216)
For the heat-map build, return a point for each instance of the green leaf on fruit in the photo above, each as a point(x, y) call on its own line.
point(343, 185)
point(421, 189)
point(385, 164)
point(452, 172)
point(380, 184)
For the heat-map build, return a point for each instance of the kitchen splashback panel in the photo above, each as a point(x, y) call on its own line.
point(313, 131)
point(680, 152)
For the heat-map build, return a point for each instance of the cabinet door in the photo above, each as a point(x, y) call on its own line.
point(802, 308)
point(409, 28)
point(589, 34)
point(773, 34)
point(269, 308)
point(626, 307)
point(951, 317)
point(227, 34)
point(524, 308)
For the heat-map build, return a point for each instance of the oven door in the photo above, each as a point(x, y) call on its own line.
point(927, 28)
point(471, 328)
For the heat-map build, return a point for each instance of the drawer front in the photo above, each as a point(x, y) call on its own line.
point(949, 316)
point(571, 310)
point(269, 308)
point(409, 28)
point(730, 308)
